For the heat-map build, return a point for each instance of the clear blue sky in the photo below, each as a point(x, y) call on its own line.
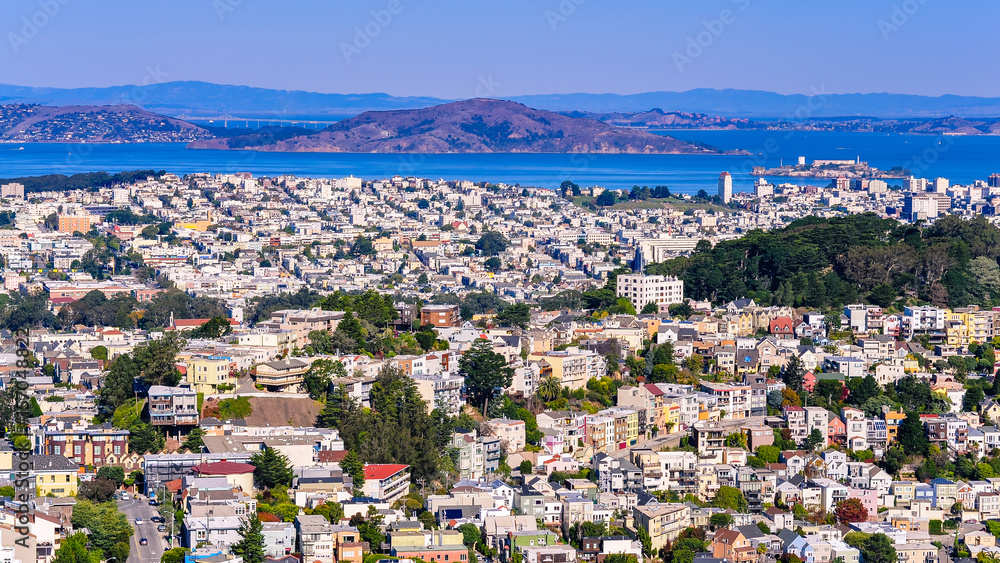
point(450, 48)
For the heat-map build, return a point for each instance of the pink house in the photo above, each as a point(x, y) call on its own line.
point(868, 498)
point(837, 433)
point(809, 381)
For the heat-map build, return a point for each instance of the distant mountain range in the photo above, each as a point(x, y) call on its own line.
point(659, 119)
point(202, 99)
point(468, 126)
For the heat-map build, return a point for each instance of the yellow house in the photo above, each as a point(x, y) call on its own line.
point(55, 475)
point(206, 373)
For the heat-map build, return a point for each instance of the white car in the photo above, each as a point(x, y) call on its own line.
point(138, 519)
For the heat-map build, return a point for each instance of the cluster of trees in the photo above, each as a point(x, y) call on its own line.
point(396, 429)
point(109, 535)
point(124, 311)
point(953, 262)
point(84, 181)
point(644, 193)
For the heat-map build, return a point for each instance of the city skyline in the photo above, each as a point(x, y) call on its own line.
point(455, 50)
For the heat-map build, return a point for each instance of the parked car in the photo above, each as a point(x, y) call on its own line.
point(161, 528)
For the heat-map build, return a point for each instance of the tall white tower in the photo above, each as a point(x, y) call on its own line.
point(725, 187)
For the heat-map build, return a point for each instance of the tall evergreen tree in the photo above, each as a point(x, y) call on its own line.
point(486, 372)
point(251, 544)
point(794, 374)
point(353, 466)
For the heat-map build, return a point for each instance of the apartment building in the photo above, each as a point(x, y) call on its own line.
point(641, 290)
point(663, 522)
point(441, 316)
point(172, 406)
point(281, 375)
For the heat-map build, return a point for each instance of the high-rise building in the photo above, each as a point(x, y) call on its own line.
point(912, 184)
point(994, 181)
point(725, 187)
point(940, 185)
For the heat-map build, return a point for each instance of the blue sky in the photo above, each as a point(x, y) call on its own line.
point(466, 48)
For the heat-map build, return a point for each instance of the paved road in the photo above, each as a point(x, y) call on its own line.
point(143, 553)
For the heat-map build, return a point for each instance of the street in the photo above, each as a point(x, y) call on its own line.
point(140, 508)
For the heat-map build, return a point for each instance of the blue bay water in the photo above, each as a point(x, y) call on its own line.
point(961, 159)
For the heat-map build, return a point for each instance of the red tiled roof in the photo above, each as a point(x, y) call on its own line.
point(223, 468)
point(383, 470)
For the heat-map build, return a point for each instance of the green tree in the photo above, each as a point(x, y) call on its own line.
point(194, 442)
point(878, 549)
point(145, 438)
point(73, 550)
point(650, 308)
point(251, 544)
point(793, 374)
point(353, 467)
point(911, 435)
point(119, 384)
point(271, 469)
point(492, 243)
point(730, 498)
point(99, 352)
point(814, 439)
point(720, 519)
point(319, 376)
point(486, 372)
point(518, 315)
point(351, 330)
point(113, 473)
point(549, 388)
point(769, 454)
point(526, 467)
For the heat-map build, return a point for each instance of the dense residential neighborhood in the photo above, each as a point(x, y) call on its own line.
point(224, 368)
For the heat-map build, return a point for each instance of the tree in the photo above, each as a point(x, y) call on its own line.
point(526, 467)
point(193, 442)
point(730, 498)
point(486, 372)
point(320, 375)
point(251, 544)
point(119, 384)
point(911, 435)
point(155, 360)
point(606, 199)
point(720, 519)
point(470, 534)
point(650, 308)
point(878, 549)
point(794, 374)
point(814, 439)
point(851, 510)
point(98, 490)
point(518, 315)
point(73, 549)
point(99, 353)
point(492, 243)
point(112, 473)
point(353, 466)
point(549, 388)
point(769, 454)
point(270, 469)
point(351, 330)
point(145, 438)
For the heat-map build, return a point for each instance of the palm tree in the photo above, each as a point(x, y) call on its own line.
point(549, 388)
